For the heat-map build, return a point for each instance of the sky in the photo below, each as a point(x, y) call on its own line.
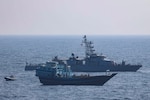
point(74, 17)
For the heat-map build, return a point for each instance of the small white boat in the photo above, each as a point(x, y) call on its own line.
point(10, 78)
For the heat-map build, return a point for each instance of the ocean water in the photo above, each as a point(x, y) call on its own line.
point(16, 50)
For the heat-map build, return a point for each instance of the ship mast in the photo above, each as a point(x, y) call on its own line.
point(89, 48)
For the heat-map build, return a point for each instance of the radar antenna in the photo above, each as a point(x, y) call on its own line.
point(89, 48)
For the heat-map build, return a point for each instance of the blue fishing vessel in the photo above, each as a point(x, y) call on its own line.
point(61, 74)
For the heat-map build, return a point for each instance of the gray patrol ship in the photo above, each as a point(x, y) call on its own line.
point(94, 62)
point(91, 63)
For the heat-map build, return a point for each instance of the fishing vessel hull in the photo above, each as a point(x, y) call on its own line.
point(91, 80)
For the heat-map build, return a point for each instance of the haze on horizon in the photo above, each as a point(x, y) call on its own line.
point(74, 17)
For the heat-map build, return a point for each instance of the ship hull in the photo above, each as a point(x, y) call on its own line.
point(118, 68)
point(87, 68)
point(91, 80)
point(30, 68)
